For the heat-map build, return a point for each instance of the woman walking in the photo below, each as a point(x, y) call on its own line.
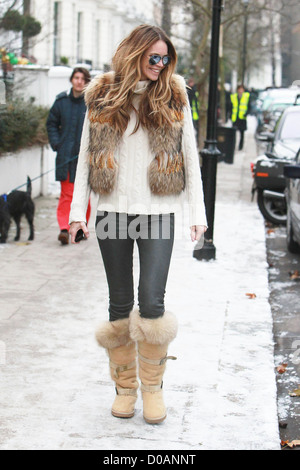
point(138, 152)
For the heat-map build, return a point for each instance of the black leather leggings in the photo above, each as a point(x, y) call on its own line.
point(154, 235)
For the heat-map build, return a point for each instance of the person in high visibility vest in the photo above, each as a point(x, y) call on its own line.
point(193, 96)
point(239, 111)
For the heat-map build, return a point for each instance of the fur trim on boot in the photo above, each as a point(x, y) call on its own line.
point(160, 330)
point(111, 334)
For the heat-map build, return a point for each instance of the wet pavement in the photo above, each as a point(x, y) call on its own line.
point(284, 282)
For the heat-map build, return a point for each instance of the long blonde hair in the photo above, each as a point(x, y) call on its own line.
point(126, 63)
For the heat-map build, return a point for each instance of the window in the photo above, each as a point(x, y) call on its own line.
point(56, 40)
point(291, 127)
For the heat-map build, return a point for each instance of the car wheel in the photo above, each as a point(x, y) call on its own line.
point(292, 245)
point(273, 210)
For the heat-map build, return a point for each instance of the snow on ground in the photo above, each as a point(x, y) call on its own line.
point(56, 392)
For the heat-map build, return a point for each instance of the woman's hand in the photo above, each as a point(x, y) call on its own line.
point(197, 231)
point(74, 227)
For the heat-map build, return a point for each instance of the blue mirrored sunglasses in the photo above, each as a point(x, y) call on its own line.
point(155, 59)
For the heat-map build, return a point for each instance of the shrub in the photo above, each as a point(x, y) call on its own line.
point(14, 21)
point(22, 125)
point(31, 27)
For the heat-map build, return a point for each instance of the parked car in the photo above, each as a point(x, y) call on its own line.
point(284, 140)
point(269, 184)
point(270, 96)
point(292, 173)
point(273, 112)
point(268, 169)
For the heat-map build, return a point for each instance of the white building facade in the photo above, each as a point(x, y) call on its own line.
point(77, 31)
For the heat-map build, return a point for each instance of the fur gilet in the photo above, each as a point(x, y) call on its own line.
point(166, 174)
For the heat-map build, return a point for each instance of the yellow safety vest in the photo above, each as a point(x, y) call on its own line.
point(239, 111)
point(194, 108)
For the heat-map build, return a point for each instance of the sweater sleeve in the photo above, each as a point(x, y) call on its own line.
point(82, 188)
point(194, 188)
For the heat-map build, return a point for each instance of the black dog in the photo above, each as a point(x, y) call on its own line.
point(14, 205)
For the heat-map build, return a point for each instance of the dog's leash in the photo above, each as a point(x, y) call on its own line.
point(40, 176)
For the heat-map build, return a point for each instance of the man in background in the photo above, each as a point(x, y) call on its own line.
point(64, 126)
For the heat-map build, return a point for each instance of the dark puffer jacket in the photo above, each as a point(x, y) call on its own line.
point(64, 126)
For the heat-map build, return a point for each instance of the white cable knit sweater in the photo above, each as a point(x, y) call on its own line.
point(131, 193)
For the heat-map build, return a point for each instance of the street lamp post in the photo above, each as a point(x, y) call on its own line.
point(210, 153)
point(246, 4)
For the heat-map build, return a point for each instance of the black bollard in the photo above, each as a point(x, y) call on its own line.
point(210, 153)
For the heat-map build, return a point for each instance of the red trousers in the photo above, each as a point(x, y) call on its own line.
point(64, 205)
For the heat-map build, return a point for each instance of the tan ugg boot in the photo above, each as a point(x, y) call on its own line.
point(114, 337)
point(153, 337)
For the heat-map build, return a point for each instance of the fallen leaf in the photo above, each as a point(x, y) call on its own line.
point(284, 443)
point(282, 368)
point(271, 230)
point(294, 275)
point(295, 393)
point(283, 425)
point(251, 296)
